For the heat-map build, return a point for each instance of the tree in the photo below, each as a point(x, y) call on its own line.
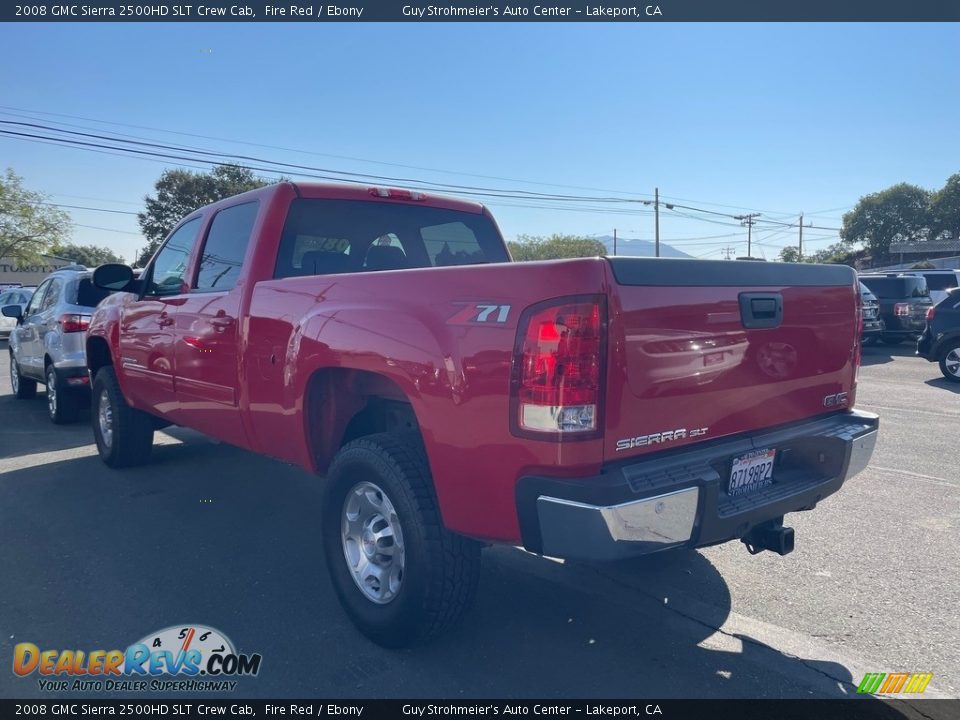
point(29, 224)
point(790, 254)
point(88, 255)
point(541, 247)
point(898, 214)
point(180, 192)
point(945, 209)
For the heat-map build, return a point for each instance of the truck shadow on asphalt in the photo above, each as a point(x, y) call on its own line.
point(880, 354)
point(211, 534)
point(943, 383)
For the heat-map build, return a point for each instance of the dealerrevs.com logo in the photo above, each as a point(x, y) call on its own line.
point(179, 658)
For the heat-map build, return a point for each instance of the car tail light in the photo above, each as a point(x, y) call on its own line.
point(901, 309)
point(71, 323)
point(395, 194)
point(931, 311)
point(558, 368)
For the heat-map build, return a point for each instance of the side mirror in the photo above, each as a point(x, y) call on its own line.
point(113, 277)
point(12, 311)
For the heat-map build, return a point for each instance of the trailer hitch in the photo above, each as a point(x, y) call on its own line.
point(771, 535)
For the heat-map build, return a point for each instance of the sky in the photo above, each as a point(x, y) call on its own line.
point(732, 118)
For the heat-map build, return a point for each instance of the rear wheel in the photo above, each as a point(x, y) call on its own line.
point(22, 387)
point(124, 434)
point(950, 362)
point(892, 339)
point(63, 404)
point(400, 576)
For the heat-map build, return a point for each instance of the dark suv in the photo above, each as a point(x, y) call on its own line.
point(940, 341)
point(872, 327)
point(904, 301)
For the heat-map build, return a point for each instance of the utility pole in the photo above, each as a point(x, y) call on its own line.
point(748, 220)
point(800, 246)
point(614, 242)
point(727, 252)
point(656, 213)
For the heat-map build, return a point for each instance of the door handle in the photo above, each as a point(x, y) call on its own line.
point(761, 310)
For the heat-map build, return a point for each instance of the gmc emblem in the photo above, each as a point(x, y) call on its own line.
point(838, 400)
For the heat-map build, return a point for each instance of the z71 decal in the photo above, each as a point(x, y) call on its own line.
point(474, 313)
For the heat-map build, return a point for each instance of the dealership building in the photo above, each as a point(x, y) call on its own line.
point(18, 272)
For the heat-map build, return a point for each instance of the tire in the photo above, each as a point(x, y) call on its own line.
point(892, 339)
point(436, 578)
point(63, 404)
point(124, 435)
point(23, 388)
point(950, 362)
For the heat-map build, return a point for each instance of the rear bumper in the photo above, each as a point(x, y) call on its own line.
point(680, 499)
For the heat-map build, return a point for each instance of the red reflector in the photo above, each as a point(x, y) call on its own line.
point(396, 194)
point(74, 323)
point(930, 313)
point(559, 368)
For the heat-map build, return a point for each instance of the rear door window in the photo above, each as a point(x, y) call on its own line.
point(52, 296)
point(339, 236)
point(225, 248)
point(941, 281)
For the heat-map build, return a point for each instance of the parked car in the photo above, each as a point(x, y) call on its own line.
point(872, 322)
point(595, 408)
point(47, 344)
point(13, 296)
point(904, 301)
point(940, 341)
point(939, 282)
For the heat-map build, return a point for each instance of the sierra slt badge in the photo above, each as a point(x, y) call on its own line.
point(659, 437)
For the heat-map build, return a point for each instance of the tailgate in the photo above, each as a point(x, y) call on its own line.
point(706, 349)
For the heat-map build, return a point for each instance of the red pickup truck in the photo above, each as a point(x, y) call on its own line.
point(596, 408)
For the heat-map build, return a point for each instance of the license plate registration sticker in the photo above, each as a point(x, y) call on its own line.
point(751, 472)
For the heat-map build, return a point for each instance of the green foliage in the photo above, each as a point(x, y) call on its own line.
point(945, 209)
point(553, 247)
point(28, 225)
point(180, 192)
point(790, 254)
point(900, 213)
point(88, 255)
point(923, 266)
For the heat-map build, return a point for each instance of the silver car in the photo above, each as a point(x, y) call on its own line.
point(12, 296)
point(47, 344)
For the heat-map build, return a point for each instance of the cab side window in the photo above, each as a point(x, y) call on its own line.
point(53, 294)
point(170, 264)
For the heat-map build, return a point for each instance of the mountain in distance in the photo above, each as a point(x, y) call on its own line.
point(639, 248)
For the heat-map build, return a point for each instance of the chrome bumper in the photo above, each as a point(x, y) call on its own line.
point(701, 513)
point(648, 525)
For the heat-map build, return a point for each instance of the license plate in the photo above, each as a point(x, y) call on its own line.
point(751, 472)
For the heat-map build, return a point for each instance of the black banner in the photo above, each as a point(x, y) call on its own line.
point(863, 708)
point(489, 11)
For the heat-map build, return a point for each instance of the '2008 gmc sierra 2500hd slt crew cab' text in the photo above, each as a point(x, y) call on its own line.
point(594, 408)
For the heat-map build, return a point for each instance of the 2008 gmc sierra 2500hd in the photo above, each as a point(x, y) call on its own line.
point(594, 408)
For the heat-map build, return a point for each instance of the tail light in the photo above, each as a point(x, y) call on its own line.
point(558, 368)
point(395, 194)
point(71, 323)
point(901, 309)
point(931, 312)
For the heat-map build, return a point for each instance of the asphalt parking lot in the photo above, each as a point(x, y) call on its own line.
point(207, 533)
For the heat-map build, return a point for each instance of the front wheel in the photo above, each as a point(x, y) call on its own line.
point(124, 434)
point(950, 362)
point(63, 404)
point(399, 574)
